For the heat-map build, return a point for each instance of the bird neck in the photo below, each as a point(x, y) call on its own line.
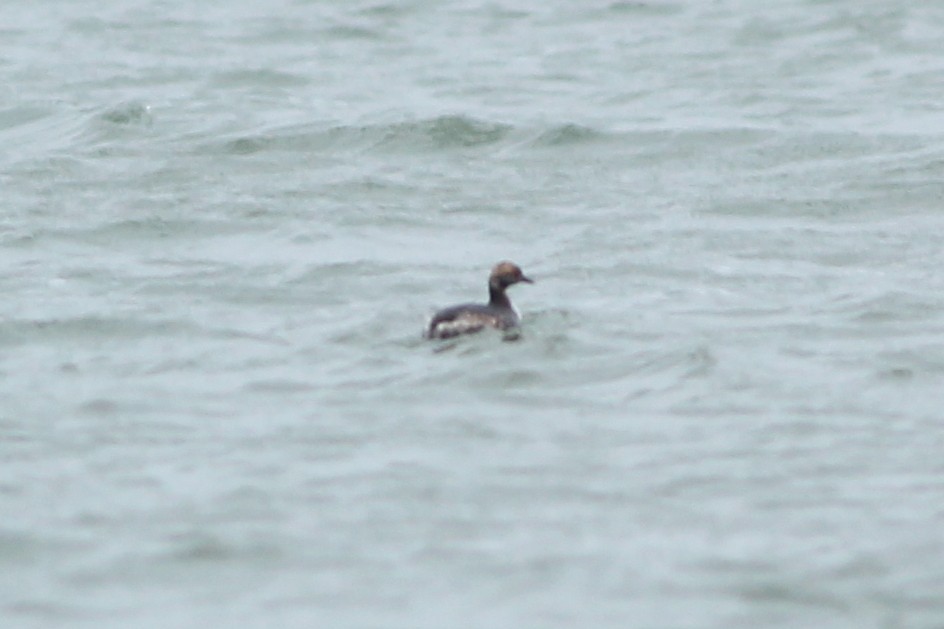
point(497, 296)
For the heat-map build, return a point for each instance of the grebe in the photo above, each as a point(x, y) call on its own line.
point(497, 313)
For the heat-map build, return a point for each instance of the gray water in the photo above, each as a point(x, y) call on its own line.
point(224, 224)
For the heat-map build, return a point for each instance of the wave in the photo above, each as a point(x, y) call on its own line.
point(465, 133)
point(438, 133)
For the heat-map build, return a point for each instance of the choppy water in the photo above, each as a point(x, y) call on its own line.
point(223, 226)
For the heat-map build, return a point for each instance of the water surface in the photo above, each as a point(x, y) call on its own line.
point(224, 225)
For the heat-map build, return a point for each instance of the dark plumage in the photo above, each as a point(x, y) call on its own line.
point(497, 313)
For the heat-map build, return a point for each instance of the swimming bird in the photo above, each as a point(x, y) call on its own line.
point(497, 313)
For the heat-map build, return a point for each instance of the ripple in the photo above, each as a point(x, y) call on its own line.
point(259, 77)
point(207, 547)
point(19, 331)
point(567, 134)
point(132, 113)
point(13, 117)
point(636, 7)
